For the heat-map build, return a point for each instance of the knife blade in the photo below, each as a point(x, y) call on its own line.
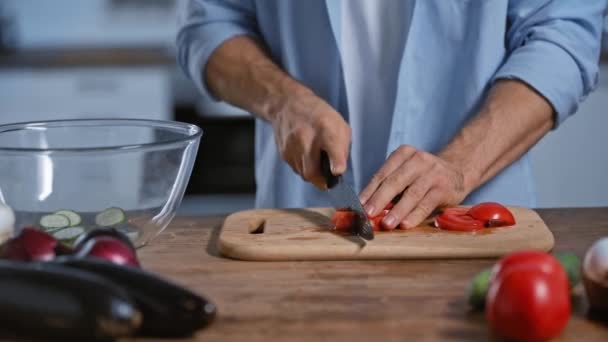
point(343, 196)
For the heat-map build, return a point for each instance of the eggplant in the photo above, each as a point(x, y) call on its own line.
point(168, 310)
point(43, 300)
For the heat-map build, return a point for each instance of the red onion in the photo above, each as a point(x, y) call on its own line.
point(30, 245)
point(108, 248)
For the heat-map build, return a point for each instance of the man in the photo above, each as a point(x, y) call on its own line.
point(442, 98)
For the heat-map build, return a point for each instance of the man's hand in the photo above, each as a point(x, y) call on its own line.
point(305, 125)
point(241, 73)
point(512, 119)
point(427, 182)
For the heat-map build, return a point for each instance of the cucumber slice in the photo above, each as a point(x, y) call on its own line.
point(54, 221)
point(68, 235)
point(74, 218)
point(110, 217)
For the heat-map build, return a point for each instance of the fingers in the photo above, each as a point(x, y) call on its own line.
point(396, 159)
point(311, 167)
point(336, 142)
point(423, 210)
point(411, 198)
point(425, 181)
point(301, 136)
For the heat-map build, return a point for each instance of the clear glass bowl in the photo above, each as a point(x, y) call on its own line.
point(87, 166)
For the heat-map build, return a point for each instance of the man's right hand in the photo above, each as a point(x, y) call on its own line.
point(303, 126)
point(241, 73)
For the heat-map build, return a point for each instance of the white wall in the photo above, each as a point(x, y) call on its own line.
point(571, 163)
point(61, 23)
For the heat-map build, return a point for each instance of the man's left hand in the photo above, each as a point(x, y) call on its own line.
point(426, 181)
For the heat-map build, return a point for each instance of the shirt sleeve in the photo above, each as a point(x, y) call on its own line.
point(554, 47)
point(203, 26)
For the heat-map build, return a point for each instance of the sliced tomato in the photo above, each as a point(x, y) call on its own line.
point(343, 220)
point(376, 221)
point(494, 214)
point(454, 221)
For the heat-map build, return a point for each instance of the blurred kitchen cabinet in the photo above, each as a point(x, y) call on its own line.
point(29, 94)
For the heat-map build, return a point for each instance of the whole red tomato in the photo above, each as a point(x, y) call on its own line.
point(541, 261)
point(529, 297)
point(528, 305)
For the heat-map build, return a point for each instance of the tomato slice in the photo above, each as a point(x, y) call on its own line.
point(376, 221)
point(343, 220)
point(453, 221)
point(494, 214)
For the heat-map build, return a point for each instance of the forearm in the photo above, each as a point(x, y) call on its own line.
point(513, 118)
point(241, 73)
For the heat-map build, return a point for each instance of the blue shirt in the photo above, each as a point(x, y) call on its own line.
point(455, 50)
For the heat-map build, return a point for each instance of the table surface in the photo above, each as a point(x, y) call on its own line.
point(350, 300)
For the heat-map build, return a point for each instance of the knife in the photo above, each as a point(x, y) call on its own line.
point(343, 196)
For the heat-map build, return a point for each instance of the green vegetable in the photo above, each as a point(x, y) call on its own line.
point(110, 217)
point(478, 288)
point(68, 235)
point(571, 264)
point(72, 216)
point(53, 222)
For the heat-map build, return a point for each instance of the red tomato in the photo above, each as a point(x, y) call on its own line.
point(452, 220)
point(343, 220)
point(376, 221)
point(540, 261)
point(526, 304)
point(494, 214)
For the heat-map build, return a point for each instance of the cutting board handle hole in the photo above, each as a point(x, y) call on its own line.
point(257, 226)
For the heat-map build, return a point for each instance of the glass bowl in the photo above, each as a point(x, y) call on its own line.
point(140, 168)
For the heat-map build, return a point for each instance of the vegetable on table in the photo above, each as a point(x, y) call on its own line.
point(54, 302)
point(595, 277)
point(169, 310)
point(526, 295)
point(478, 289)
point(108, 248)
point(479, 285)
point(30, 245)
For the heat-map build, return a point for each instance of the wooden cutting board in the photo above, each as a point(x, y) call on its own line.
point(305, 234)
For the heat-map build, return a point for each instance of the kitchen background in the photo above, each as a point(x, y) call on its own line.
point(79, 59)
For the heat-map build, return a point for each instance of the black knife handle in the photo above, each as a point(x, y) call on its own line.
point(330, 179)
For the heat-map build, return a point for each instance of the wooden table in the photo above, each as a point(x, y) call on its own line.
point(349, 300)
